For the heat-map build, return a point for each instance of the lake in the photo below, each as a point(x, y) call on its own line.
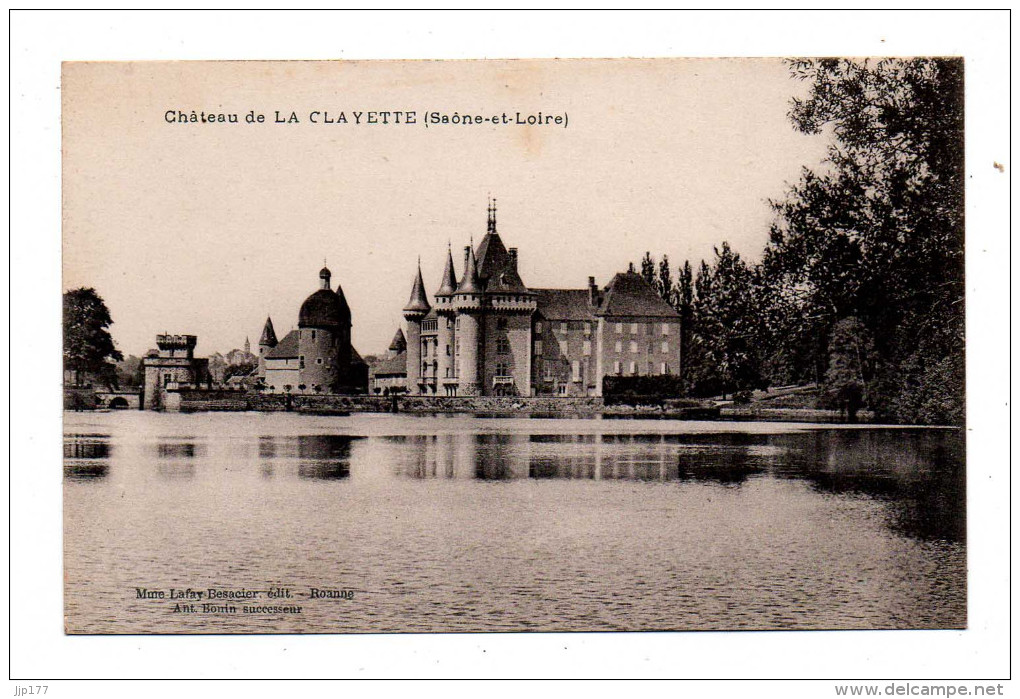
point(458, 523)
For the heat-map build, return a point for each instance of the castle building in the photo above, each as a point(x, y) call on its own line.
point(490, 334)
point(172, 367)
point(390, 373)
point(317, 357)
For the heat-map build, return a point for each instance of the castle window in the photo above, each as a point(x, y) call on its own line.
point(616, 368)
point(564, 327)
point(633, 368)
point(563, 346)
point(587, 348)
point(313, 334)
point(665, 368)
point(633, 347)
point(619, 328)
point(502, 369)
point(550, 373)
point(538, 347)
point(318, 360)
point(301, 361)
point(575, 370)
point(587, 328)
point(502, 324)
point(502, 345)
point(633, 328)
point(665, 328)
point(618, 346)
point(538, 327)
point(665, 348)
point(447, 350)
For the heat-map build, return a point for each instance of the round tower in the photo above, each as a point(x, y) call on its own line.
point(446, 338)
point(467, 302)
point(416, 309)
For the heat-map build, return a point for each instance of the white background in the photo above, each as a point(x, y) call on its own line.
point(39, 41)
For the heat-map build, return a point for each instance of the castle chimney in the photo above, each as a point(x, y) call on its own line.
point(630, 268)
point(513, 258)
point(593, 292)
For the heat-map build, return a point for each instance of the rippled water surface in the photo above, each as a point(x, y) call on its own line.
point(469, 524)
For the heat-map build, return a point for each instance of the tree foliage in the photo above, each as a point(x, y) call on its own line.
point(861, 283)
point(88, 346)
point(877, 232)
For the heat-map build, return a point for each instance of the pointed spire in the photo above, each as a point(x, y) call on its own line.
point(324, 275)
point(449, 284)
point(399, 343)
point(268, 338)
point(418, 303)
point(491, 227)
point(469, 282)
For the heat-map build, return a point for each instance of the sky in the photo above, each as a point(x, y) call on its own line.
point(207, 229)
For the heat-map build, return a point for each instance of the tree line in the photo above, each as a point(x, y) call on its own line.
point(860, 287)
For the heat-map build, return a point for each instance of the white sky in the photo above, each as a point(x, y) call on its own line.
point(206, 229)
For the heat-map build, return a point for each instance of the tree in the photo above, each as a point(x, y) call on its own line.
point(664, 283)
point(88, 346)
point(851, 365)
point(648, 269)
point(724, 349)
point(684, 296)
point(876, 233)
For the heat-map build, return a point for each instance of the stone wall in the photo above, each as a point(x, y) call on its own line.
point(496, 404)
point(198, 400)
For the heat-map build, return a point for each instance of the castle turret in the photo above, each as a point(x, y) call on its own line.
point(446, 375)
point(468, 304)
point(416, 309)
point(399, 344)
point(267, 342)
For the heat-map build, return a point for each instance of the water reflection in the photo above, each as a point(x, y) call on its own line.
point(319, 457)
point(485, 525)
point(86, 456)
point(177, 450)
point(920, 474)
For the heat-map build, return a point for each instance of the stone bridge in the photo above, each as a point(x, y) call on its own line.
point(124, 399)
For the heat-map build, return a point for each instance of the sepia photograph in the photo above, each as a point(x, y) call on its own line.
point(481, 345)
point(590, 345)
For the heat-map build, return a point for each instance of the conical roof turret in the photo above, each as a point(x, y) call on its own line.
point(268, 338)
point(449, 283)
point(418, 302)
point(343, 300)
point(399, 343)
point(469, 282)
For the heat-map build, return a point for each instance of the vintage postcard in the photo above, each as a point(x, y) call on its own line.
point(513, 345)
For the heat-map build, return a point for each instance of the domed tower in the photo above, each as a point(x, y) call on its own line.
point(324, 338)
point(267, 342)
point(414, 312)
